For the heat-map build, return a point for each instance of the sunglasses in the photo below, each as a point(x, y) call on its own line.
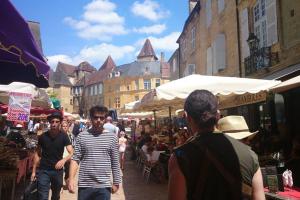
point(99, 117)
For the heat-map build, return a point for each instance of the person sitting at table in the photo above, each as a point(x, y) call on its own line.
point(152, 159)
point(148, 142)
point(141, 139)
point(152, 155)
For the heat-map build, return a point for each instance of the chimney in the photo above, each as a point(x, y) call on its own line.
point(162, 57)
point(192, 4)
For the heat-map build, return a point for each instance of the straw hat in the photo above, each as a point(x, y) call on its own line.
point(235, 127)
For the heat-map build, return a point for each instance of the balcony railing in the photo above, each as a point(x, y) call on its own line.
point(260, 59)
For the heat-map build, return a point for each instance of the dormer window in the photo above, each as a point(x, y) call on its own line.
point(117, 74)
point(147, 72)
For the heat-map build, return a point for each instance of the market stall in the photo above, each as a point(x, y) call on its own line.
point(39, 96)
point(174, 93)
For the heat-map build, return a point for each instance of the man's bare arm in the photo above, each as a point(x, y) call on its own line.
point(60, 164)
point(36, 161)
point(72, 173)
point(257, 186)
point(177, 187)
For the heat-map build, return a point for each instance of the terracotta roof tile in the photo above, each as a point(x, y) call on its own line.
point(85, 66)
point(108, 64)
point(66, 68)
point(97, 77)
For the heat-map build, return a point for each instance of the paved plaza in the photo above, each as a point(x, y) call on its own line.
point(133, 187)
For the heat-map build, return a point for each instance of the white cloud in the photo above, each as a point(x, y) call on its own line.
point(95, 55)
point(166, 43)
point(155, 29)
point(99, 21)
point(53, 60)
point(149, 9)
point(98, 53)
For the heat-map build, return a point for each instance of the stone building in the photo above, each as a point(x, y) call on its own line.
point(130, 82)
point(174, 65)
point(270, 38)
point(65, 83)
point(81, 74)
point(208, 43)
point(93, 90)
point(60, 87)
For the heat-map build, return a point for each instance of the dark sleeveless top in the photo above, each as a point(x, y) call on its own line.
point(203, 179)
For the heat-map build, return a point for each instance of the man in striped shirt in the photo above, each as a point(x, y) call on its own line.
point(96, 151)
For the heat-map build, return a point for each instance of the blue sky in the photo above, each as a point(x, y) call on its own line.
point(73, 31)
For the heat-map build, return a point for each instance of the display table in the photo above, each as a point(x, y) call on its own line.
point(288, 194)
point(7, 176)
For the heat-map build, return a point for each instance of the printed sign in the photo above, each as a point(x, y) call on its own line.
point(19, 106)
point(245, 99)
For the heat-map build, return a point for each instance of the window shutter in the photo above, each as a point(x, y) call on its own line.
point(208, 13)
point(220, 5)
point(244, 33)
point(272, 35)
point(209, 70)
point(214, 59)
point(220, 52)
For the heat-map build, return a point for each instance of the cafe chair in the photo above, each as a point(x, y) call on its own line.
point(143, 159)
point(138, 157)
point(147, 171)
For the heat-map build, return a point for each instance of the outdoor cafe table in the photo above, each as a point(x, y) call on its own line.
point(288, 194)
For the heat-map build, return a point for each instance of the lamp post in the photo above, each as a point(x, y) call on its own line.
point(253, 43)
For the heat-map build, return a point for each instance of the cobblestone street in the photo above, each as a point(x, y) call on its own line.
point(133, 187)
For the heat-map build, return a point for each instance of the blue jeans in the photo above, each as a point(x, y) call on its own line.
point(47, 179)
point(88, 193)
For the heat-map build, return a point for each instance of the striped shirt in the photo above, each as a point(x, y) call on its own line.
point(98, 157)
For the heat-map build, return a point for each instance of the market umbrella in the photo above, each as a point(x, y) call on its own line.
point(175, 92)
point(20, 58)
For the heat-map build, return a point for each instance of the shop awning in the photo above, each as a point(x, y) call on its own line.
point(34, 111)
point(20, 58)
point(287, 85)
point(40, 97)
point(175, 92)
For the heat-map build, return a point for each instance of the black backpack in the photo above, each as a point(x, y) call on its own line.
point(31, 191)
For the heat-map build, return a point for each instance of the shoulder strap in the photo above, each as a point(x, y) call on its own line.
point(225, 173)
point(202, 178)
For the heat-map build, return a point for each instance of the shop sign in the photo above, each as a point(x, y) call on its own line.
point(19, 106)
point(243, 100)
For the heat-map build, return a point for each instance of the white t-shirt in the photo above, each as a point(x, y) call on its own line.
point(110, 127)
point(144, 148)
point(36, 127)
point(153, 157)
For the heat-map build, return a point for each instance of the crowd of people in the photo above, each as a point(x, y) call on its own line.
point(63, 143)
point(66, 145)
point(209, 158)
